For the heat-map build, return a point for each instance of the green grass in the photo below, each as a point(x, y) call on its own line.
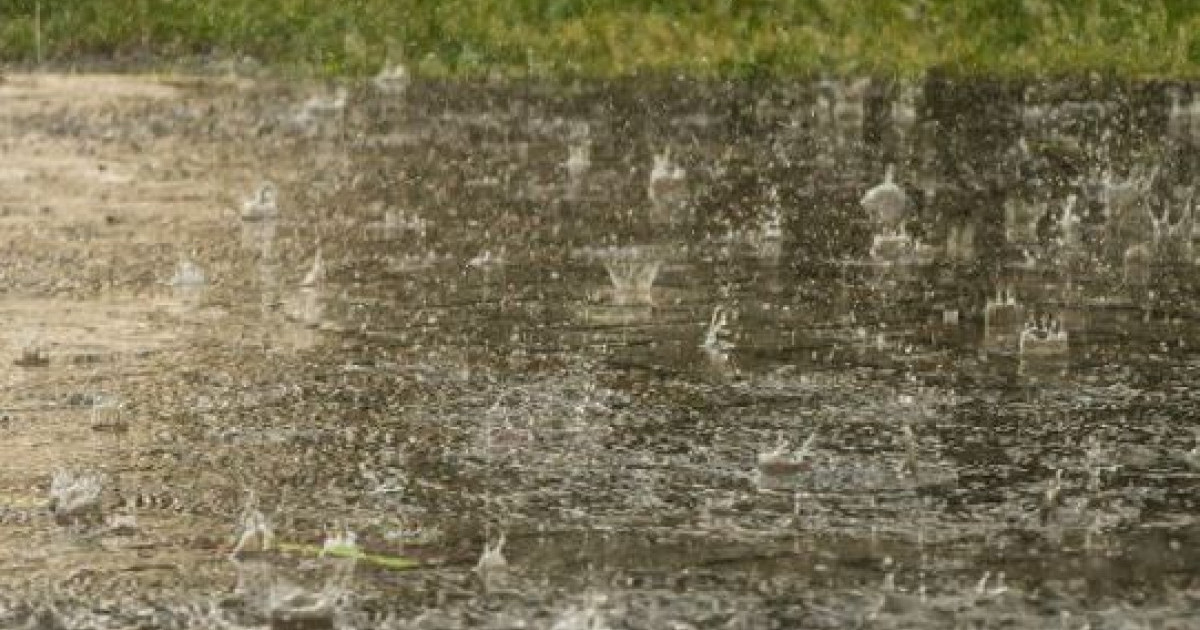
point(604, 38)
point(394, 563)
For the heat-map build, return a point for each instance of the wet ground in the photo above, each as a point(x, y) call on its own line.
point(641, 337)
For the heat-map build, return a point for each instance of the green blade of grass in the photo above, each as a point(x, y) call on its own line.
point(394, 563)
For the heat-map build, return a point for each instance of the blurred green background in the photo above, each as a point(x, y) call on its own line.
point(1156, 38)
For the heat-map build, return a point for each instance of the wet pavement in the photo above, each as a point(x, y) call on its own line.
point(644, 340)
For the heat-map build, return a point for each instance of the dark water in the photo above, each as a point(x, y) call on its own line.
point(520, 351)
point(619, 456)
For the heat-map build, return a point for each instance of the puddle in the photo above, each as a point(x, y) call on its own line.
point(438, 316)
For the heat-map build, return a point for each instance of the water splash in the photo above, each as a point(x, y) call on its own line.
point(886, 203)
point(632, 272)
point(392, 80)
point(263, 205)
point(1044, 337)
point(579, 160)
point(781, 466)
point(187, 275)
point(76, 498)
point(253, 524)
point(667, 189)
point(491, 561)
point(316, 274)
point(317, 114)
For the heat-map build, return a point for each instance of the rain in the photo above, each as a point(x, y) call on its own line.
point(650, 352)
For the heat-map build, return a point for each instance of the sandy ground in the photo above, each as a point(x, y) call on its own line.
point(95, 211)
point(109, 186)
